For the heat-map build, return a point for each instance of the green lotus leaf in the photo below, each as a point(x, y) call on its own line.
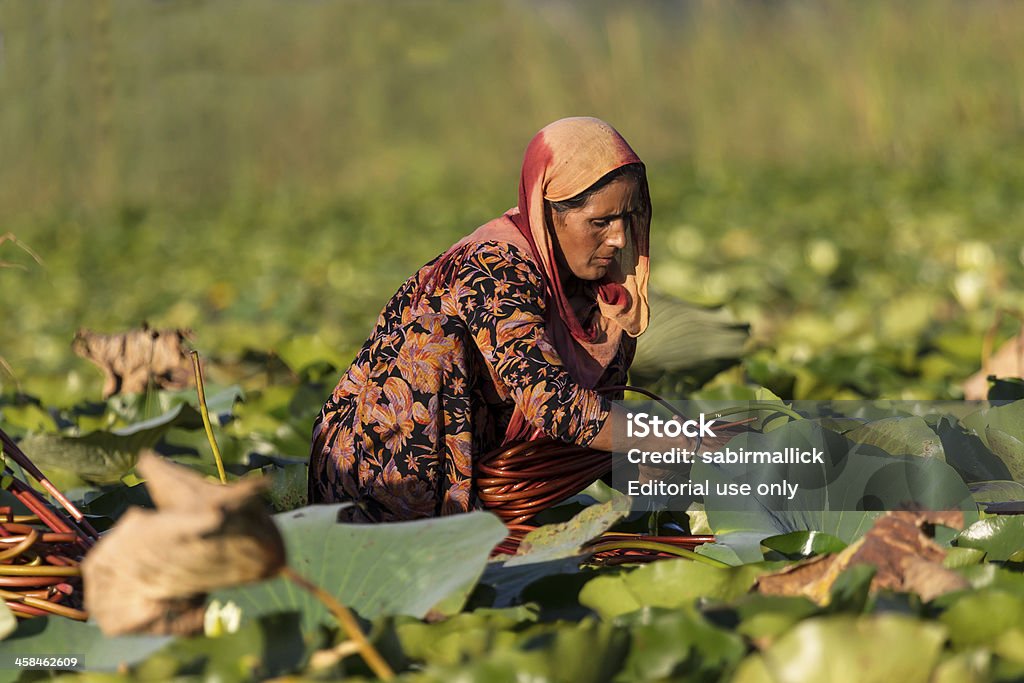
point(586, 652)
point(301, 351)
point(463, 636)
point(841, 497)
point(1001, 429)
point(979, 618)
point(900, 436)
point(851, 591)
point(1010, 450)
point(1001, 491)
point(288, 487)
point(103, 457)
point(668, 643)
point(558, 541)
point(957, 557)
point(972, 666)
point(846, 649)
point(769, 616)
point(59, 636)
point(262, 648)
point(1007, 418)
point(667, 583)
point(999, 537)
point(990, 575)
point(376, 569)
point(804, 543)
point(968, 454)
point(685, 345)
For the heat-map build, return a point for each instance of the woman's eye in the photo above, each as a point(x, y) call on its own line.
point(601, 223)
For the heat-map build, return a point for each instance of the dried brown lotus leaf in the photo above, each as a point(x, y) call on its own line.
point(811, 578)
point(930, 579)
point(152, 570)
point(173, 487)
point(905, 559)
point(137, 359)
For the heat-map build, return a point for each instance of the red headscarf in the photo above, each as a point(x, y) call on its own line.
point(585, 325)
point(563, 160)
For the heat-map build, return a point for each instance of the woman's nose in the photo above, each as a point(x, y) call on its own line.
point(616, 236)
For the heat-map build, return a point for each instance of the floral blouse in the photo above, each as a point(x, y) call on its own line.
point(435, 386)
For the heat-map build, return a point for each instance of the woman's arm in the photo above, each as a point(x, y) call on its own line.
point(615, 424)
point(500, 296)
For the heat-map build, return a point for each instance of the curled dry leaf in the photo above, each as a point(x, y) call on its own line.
point(906, 560)
point(151, 572)
point(137, 359)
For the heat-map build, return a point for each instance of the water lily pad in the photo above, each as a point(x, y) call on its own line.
point(57, 635)
point(1001, 429)
point(851, 591)
point(721, 552)
point(270, 646)
point(557, 541)
point(26, 417)
point(104, 456)
point(1003, 491)
point(968, 454)
point(288, 486)
point(376, 569)
point(999, 537)
point(301, 351)
point(463, 636)
point(841, 497)
point(686, 344)
point(804, 543)
point(769, 616)
point(979, 618)
point(1008, 418)
point(669, 643)
point(667, 583)
point(104, 506)
point(586, 652)
point(991, 575)
point(509, 583)
point(846, 649)
point(551, 550)
point(1010, 450)
point(900, 436)
point(973, 666)
point(962, 557)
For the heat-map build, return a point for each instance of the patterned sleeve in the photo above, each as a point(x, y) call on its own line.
point(500, 295)
point(617, 373)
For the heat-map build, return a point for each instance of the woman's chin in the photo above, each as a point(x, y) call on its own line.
point(590, 274)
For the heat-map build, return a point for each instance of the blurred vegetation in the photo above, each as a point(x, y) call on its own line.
point(848, 176)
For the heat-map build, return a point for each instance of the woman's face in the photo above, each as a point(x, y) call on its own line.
point(588, 238)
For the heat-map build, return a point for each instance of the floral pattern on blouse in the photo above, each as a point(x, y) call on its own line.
point(436, 383)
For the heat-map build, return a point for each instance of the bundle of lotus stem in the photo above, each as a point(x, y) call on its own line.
point(520, 480)
point(40, 551)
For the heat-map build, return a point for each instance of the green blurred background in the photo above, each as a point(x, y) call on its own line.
point(847, 176)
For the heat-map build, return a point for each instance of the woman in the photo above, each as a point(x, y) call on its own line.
point(503, 337)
